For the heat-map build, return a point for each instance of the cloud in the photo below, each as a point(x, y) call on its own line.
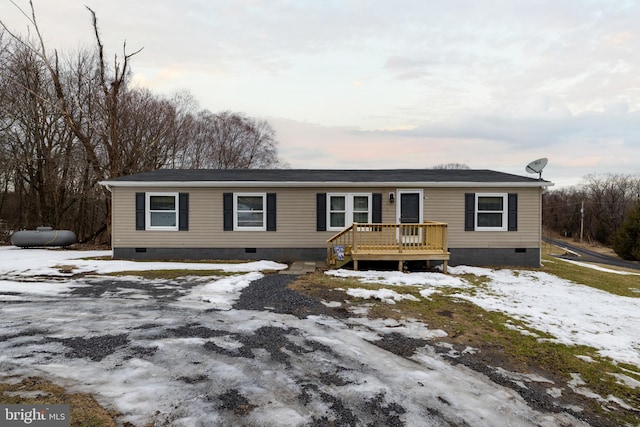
point(409, 83)
point(407, 68)
point(541, 131)
point(577, 145)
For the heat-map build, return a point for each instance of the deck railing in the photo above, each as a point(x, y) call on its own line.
point(386, 238)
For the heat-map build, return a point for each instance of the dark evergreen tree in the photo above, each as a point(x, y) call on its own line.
point(626, 240)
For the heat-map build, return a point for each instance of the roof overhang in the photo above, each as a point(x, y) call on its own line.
point(307, 184)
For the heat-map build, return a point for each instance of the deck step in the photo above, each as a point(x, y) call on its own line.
point(339, 263)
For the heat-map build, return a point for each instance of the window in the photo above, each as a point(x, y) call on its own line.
point(361, 209)
point(491, 212)
point(337, 211)
point(345, 209)
point(162, 211)
point(250, 212)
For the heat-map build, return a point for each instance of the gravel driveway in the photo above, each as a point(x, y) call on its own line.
point(159, 354)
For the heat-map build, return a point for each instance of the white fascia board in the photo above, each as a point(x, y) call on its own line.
point(333, 184)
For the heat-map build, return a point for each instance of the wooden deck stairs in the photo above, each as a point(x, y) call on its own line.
point(389, 242)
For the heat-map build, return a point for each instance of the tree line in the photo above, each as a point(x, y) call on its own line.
point(69, 121)
point(603, 209)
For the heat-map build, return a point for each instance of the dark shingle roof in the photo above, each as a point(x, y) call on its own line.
point(326, 175)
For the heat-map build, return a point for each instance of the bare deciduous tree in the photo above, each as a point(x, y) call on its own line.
point(231, 141)
point(610, 197)
point(607, 200)
point(451, 166)
point(69, 122)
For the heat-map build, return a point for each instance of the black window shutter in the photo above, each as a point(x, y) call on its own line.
point(271, 211)
point(140, 211)
point(227, 207)
point(321, 212)
point(512, 219)
point(183, 211)
point(376, 208)
point(469, 211)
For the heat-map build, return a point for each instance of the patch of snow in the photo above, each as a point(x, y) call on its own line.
point(572, 313)
point(600, 268)
point(385, 295)
point(46, 262)
point(453, 353)
point(554, 392)
point(621, 403)
point(16, 261)
point(522, 377)
point(408, 327)
point(12, 290)
point(577, 385)
point(112, 266)
point(331, 304)
point(426, 293)
point(521, 330)
point(398, 278)
point(628, 381)
point(470, 350)
point(222, 293)
point(360, 310)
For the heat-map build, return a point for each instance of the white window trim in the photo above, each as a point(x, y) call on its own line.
point(148, 211)
point(348, 220)
point(420, 194)
point(505, 212)
point(237, 227)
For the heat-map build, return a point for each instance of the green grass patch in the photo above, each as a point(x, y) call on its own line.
point(98, 258)
point(171, 274)
point(627, 285)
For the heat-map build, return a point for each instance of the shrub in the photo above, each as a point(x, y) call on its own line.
point(626, 240)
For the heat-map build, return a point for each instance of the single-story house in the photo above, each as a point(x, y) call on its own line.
point(472, 217)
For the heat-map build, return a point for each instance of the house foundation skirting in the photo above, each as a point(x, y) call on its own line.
point(498, 257)
point(272, 254)
point(511, 257)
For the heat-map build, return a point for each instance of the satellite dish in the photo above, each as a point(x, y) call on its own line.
point(536, 166)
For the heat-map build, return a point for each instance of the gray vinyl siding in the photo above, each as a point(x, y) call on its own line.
point(296, 219)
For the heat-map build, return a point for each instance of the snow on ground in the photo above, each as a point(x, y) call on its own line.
point(601, 268)
point(220, 294)
point(15, 261)
point(572, 313)
point(385, 295)
point(149, 350)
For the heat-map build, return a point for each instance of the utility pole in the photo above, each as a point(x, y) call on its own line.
point(581, 221)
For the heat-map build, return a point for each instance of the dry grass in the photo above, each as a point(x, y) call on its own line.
point(85, 411)
point(170, 274)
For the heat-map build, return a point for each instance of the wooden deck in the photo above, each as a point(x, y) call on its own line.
point(389, 242)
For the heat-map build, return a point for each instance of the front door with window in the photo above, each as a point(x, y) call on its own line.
point(409, 207)
point(410, 212)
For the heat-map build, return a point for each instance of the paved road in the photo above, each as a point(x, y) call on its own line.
point(586, 255)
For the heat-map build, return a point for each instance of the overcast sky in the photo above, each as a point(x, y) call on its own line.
point(492, 84)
